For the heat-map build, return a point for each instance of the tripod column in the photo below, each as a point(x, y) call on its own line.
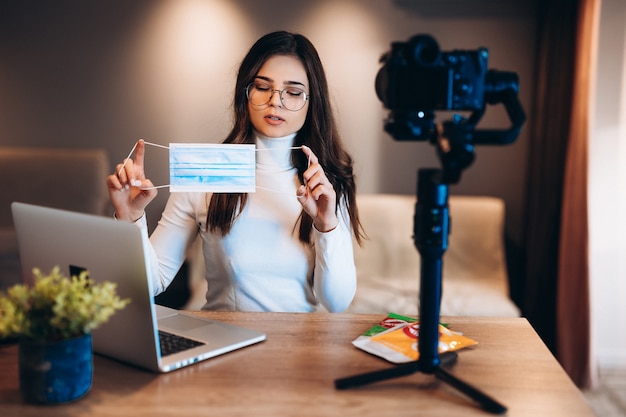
point(431, 230)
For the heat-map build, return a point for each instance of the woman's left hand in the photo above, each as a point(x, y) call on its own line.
point(317, 195)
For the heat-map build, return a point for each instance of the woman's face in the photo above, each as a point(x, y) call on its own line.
point(273, 119)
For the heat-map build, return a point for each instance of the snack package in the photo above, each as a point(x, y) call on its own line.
point(396, 339)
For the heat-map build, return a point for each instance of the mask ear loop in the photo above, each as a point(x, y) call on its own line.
point(167, 147)
point(293, 148)
point(126, 159)
point(131, 153)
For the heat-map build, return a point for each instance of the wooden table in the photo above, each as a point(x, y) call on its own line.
point(292, 373)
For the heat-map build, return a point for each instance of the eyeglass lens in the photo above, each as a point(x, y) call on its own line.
point(292, 98)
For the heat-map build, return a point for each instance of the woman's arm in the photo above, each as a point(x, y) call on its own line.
point(335, 273)
point(170, 241)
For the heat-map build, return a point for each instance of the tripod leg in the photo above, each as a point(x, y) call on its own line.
point(486, 402)
point(368, 378)
point(447, 359)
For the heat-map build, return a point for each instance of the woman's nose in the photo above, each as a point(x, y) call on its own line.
point(275, 100)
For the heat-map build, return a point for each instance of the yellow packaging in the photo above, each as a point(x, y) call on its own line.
point(399, 344)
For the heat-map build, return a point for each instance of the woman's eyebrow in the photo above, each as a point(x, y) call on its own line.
point(294, 83)
point(260, 77)
point(269, 80)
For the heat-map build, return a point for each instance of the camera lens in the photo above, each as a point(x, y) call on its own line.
point(425, 50)
point(381, 85)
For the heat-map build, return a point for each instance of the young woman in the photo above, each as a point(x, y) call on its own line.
point(287, 246)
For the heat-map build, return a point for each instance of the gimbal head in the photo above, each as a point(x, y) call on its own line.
point(417, 79)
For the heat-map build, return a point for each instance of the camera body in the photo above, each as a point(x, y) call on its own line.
point(417, 79)
point(417, 76)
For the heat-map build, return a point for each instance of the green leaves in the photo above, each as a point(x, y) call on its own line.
point(57, 307)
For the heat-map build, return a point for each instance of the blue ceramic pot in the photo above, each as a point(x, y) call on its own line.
point(55, 372)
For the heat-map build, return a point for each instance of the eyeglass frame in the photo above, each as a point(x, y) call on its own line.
point(280, 96)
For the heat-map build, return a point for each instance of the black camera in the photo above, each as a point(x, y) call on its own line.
point(417, 76)
point(417, 79)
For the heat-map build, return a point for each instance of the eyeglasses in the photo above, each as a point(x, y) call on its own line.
point(292, 98)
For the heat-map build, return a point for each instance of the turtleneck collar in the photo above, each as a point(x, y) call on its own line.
point(274, 152)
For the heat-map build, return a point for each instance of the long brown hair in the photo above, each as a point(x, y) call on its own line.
point(319, 133)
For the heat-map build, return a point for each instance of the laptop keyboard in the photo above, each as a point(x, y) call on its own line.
point(171, 343)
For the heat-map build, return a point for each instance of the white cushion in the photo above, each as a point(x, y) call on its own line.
point(475, 281)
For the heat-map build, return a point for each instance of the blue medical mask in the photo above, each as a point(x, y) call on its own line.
point(208, 167)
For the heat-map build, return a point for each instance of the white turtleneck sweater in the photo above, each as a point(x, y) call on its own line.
point(261, 265)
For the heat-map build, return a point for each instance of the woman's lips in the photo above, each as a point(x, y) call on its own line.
point(274, 119)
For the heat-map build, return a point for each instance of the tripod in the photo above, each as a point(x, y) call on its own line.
point(430, 235)
point(412, 119)
point(431, 228)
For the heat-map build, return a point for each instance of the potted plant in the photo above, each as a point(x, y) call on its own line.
point(52, 321)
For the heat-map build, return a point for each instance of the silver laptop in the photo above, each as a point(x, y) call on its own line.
point(112, 250)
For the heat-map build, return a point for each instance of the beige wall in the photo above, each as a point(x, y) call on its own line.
point(104, 75)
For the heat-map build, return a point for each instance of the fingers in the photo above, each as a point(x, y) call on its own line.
point(139, 158)
point(301, 193)
point(130, 172)
point(113, 182)
point(317, 194)
point(310, 155)
point(129, 176)
point(126, 175)
point(315, 180)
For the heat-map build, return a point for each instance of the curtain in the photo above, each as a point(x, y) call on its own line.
point(555, 295)
point(573, 310)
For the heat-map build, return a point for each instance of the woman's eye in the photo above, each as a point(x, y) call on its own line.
point(294, 92)
point(262, 87)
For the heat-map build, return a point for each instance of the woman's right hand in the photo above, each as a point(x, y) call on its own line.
point(129, 190)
